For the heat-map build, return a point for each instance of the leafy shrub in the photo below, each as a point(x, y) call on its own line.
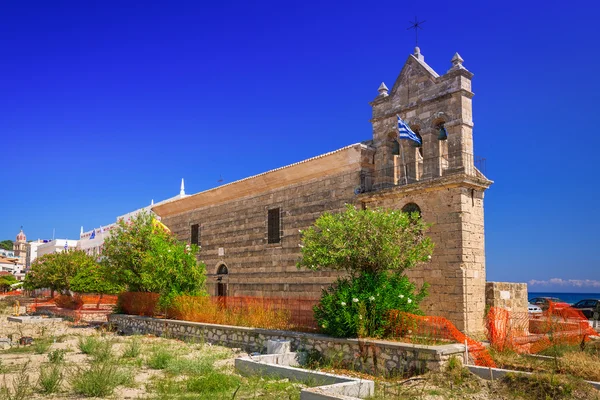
point(68, 301)
point(360, 306)
point(138, 303)
point(141, 255)
point(50, 378)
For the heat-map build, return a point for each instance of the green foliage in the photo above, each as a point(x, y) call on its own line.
point(88, 344)
point(359, 306)
point(102, 351)
point(132, 348)
point(374, 247)
point(92, 278)
point(58, 271)
point(142, 256)
point(212, 382)
point(6, 281)
point(51, 378)
point(360, 241)
point(40, 346)
point(6, 244)
point(99, 379)
point(57, 356)
point(160, 358)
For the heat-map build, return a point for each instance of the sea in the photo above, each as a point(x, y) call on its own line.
point(570, 298)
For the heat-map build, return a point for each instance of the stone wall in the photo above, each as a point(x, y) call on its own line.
point(456, 273)
point(373, 356)
point(234, 233)
point(508, 295)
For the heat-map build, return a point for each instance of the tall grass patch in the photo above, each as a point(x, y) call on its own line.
point(100, 379)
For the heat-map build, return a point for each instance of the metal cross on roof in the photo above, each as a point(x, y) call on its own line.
point(416, 25)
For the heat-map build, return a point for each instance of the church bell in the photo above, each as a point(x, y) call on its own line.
point(442, 134)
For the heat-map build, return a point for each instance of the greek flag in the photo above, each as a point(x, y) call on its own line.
point(93, 235)
point(404, 132)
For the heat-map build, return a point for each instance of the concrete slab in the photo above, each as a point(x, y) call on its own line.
point(32, 319)
point(325, 386)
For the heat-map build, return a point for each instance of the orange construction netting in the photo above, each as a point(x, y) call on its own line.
point(525, 332)
point(436, 330)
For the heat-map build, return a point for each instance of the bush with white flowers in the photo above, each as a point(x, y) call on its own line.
point(374, 248)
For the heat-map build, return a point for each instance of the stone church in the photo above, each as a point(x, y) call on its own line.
point(249, 229)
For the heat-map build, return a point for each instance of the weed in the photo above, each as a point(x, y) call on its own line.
point(87, 344)
point(50, 379)
point(56, 356)
point(21, 388)
point(132, 349)
point(100, 379)
point(102, 351)
point(183, 366)
point(456, 372)
point(41, 346)
point(212, 382)
point(160, 358)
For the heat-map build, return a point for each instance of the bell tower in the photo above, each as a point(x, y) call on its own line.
point(437, 108)
point(439, 178)
point(20, 247)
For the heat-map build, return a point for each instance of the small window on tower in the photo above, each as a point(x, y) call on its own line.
point(195, 235)
point(273, 226)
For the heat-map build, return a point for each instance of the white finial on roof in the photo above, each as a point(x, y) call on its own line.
point(81, 231)
point(152, 202)
point(383, 90)
point(418, 54)
point(182, 191)
point(457, 62)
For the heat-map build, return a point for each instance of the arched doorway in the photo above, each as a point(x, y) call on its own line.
point(222, 273)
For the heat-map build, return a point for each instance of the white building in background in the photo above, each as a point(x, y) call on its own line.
point(32, 248)
point(56, 246)
point(92, 241)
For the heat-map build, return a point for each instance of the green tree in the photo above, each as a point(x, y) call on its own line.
point(57, 270)
point(144, 257)
point(374, 248)
point(6, 244)
point(6, 281)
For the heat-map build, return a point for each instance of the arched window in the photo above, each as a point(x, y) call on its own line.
point(222, 270)
point(411, 208)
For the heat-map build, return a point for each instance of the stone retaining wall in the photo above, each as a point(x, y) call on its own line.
point(372, 356)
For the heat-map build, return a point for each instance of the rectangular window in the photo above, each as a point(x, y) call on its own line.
point(195, 235)
point(273, 226)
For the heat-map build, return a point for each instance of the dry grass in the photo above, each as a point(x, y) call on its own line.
point(581, 364)
point(569, 361)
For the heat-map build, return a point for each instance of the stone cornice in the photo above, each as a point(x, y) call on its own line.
point(415, 105)
point(455, 180)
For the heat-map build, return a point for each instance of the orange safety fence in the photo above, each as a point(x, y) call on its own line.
point(259, 312)
point(79, 301)
point(433, 330)
point(11, 293)
point(529, 333)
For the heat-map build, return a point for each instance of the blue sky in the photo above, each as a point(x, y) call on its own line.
point(107, 105)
